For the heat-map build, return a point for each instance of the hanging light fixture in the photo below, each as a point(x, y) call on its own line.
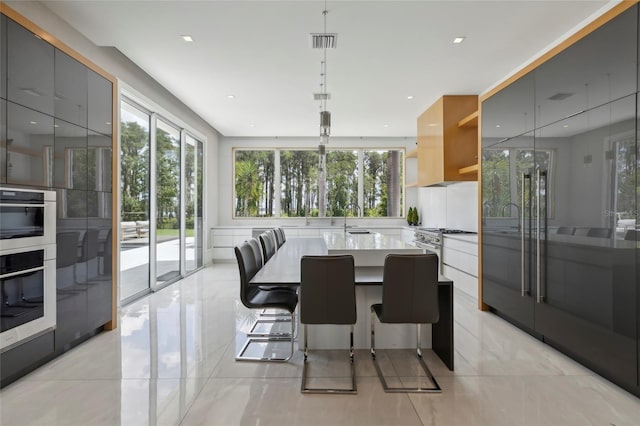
point(324, 41)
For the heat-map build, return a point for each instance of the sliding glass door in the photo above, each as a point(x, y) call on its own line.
point(135, 142)
point(193, 199)
point(161, 178)
point(167, 202)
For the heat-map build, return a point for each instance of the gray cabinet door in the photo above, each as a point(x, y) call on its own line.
point(594, 71)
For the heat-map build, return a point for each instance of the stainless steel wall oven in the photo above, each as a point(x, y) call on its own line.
point(27, 265)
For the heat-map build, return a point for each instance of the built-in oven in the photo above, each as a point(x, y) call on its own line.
point(27, 218)
point(27, 265)
point(27, 293)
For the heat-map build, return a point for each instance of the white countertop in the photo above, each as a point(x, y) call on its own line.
point(374, 241)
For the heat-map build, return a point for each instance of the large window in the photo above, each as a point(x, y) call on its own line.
point(298, 183)
point(359, 182)
point(254, 183)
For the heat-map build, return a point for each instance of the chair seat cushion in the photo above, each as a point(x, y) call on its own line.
point(281, 299)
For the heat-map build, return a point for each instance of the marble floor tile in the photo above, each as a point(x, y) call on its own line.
point(279, 402)
point(172, 361)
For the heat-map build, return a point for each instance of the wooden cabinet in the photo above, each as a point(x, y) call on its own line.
point(447, 140)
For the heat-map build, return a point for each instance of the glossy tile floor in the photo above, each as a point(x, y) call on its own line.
point(171, 361)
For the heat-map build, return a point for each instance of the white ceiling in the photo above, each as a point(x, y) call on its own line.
point(259, 52)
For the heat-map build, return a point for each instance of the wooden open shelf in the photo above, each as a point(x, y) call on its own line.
point(413, 153)
point(470, 120)
point(469, 169)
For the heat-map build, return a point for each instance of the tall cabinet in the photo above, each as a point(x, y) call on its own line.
point(560, 201)
point(56, 133)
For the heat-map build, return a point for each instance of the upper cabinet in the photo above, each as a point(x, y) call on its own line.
point(30, 64)
point(100, 103)
point(56, 115)
point(590, 72)
point(70, 92)
point(448, 141)
point(509, 113)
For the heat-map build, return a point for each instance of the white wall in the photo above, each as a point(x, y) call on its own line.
point(118, 65)
point(225, 171)
point(454, 206)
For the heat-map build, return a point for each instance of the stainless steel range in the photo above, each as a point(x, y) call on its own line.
point(431, 239)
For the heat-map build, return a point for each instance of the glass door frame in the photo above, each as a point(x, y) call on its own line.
point(130, 98)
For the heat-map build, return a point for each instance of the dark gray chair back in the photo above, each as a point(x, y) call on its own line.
point(410, 289)
point(257, 251)
point(268, 246)
point(566, 230)
point(632, 235)
point(599, 232)
point(282, 235)
point(327, 290)
point(278, 236)
point(247, 267)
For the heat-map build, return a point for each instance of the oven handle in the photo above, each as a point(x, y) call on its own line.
point(5, 204)
point(22, 272)
point(427, 245)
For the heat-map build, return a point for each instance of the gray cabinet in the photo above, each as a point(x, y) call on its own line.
point(56, 119)
point(558, 202)
point(30, 69)
point(70, 92)
point(100, 104)
point(596, 70)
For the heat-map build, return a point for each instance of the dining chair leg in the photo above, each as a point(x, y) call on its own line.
point(419, 389)
point(347, 391)
point(288, 338)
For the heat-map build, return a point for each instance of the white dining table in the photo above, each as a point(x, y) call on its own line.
point(283, 269)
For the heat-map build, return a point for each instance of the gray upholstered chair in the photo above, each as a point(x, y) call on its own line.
point(268, 245)
point(409, 296)
point(254, 297)
point(632, 235)
point(327, 296)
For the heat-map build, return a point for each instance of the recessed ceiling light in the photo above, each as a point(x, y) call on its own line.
point(33, 122)
point(187, 38)
point(385, 125)
point(497, 125)
point(252, 125)
point(409, 97)
point(56, 125)
point(231, 96)
point(565, 126)
point(108, 123)
point(458, 40)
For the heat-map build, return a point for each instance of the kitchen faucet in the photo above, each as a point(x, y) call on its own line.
point(517, 210)
point(345, 215)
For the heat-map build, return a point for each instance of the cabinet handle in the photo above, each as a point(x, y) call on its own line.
point(538, 296)
point(522, 274)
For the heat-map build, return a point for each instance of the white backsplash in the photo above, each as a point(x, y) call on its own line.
point(454, 206)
